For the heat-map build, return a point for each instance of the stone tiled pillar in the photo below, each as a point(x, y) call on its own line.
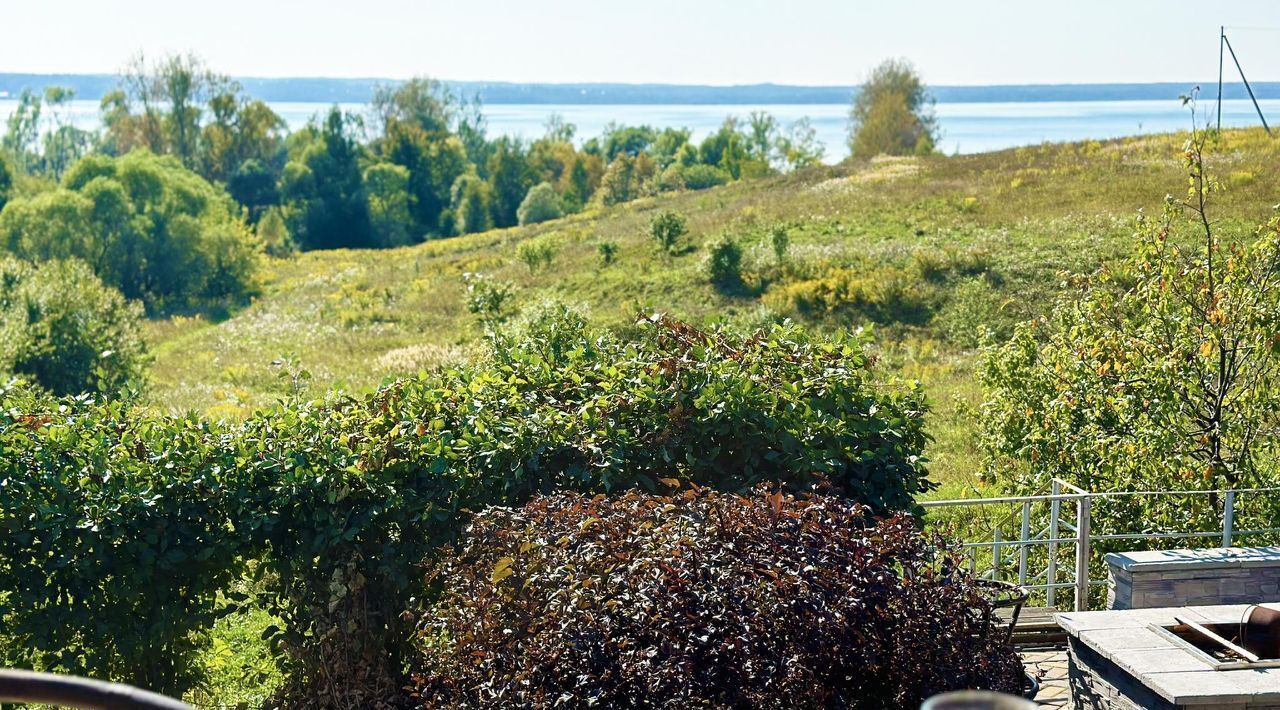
point(1223, 575)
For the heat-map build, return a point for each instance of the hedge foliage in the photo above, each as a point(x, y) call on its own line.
point(115, 538)
point(701, 599)
point(341, 500)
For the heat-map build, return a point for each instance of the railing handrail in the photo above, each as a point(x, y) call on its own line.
point(1082, 538)
point(22, 686)
point(1046, 497)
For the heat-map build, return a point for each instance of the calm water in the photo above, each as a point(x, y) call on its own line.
point(966, 127)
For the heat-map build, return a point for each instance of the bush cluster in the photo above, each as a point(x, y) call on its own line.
point(131, 523)
point(539, 205)
point(538, 253)
point(666, 228)
point(702, 599)
point(147, 225)
point(886, 293)
point(65, 331)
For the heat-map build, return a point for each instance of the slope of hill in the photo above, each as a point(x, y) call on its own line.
point(928, 251)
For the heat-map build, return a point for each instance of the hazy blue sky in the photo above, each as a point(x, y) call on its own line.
point(673, 41)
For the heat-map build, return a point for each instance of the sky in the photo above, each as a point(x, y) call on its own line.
point(810, 42)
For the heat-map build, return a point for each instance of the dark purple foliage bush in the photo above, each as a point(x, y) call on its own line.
point(703, 599)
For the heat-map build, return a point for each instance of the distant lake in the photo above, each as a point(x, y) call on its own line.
point(966, 127)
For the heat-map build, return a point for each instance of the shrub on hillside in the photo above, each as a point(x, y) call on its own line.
point(537, 253)
point(148, 226)
point(701, 177)
point(666, 228)
point(704, 600)
point(724, 263)
point(539, 205)
point(885, 293)
point(608, 252)
point(65, 331)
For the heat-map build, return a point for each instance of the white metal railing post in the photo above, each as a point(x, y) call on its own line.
point(1051, 574)
point(997, 557)
point(1024, 539)
point(1082, 553)
point(1228, 517)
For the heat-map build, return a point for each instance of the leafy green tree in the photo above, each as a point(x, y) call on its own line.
point(145, 224)
point(627, 140)
point(63, 143)
point(799, 147)
point(433, 161)
point(762, 136)
point(162, 103)
point(892, 113)
point(240, 131)
point(416, 123)
point(22, 134)
point(725, 149)
point(423, 102)
point(509, 180)
point(667, 145)
point(1159, 373)
point(469, 205)
point(273, 233)
point(254, 187)
point(471, 131)
point(387, 185)
point(558, 130)
point(66, 331)
point(625, 179)
point(541, 204)
point(325, 190)
point(6, 181)
point(579, 188)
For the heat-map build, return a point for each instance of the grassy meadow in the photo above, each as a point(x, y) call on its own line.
point(927, 251)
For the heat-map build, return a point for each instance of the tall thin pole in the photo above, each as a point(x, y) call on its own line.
point(1222, 35)
point(1246, 84)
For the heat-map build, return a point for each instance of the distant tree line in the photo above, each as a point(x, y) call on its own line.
point(417, 165)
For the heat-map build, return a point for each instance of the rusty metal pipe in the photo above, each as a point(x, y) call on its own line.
point(1260, 631)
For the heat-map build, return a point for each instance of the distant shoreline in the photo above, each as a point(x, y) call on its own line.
point(336, 90)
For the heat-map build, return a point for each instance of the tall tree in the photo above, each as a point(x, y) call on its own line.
point(160, 105)
point(325, 189)
point(21, 138)
point(509, 179)
point(892, 113)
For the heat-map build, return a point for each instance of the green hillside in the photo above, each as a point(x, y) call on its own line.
point(928, 251)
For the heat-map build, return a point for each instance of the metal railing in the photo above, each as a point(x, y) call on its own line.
point(1037, 523)
point(22, 686)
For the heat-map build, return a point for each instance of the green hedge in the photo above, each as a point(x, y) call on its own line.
point(115, 537)
point(342, 500)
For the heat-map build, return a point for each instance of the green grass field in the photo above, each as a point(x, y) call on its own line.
point(928, 250)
